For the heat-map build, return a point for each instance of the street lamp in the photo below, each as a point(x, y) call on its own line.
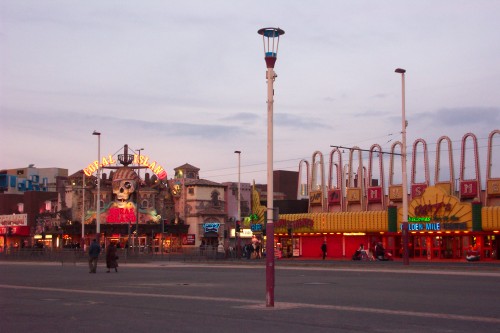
point(237, 233)
point(83, 210)
point(271, 38)
point(137, 198)
point(98, 203)
point(404, 124)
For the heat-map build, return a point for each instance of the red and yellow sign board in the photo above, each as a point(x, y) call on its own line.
point(469, 189)
point(353, 195)
point(315, 198)
point(334, 197)
point(417, 190)
point(493, 187)
point(436, 206)
point(396, 193)
point(374, 194)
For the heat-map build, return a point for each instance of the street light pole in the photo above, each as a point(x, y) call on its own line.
point(98, 203)
point(404, 221)
point(83, 211)
point(137, 198)
point(270, 37)
point(237, 233)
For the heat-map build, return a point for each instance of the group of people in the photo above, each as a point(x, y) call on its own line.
point(252, 250)
point(379, 253)
point(111, 257)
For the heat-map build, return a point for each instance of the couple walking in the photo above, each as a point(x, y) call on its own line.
point(111, 257)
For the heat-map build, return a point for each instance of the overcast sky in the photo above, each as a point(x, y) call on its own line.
point(185, 80)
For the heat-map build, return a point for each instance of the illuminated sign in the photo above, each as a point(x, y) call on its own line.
point(92, 167)
point(419, 219)
point(436, 226)
point(121, 215)
point(14, 220)
point(155, 167)
point(256, 227)
point(244, 233)
point(211, 227)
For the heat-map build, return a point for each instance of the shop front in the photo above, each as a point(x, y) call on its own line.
point(441, 228)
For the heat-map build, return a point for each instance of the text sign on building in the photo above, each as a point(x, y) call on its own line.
point(256, 227)
point(14, 220)
point(121, 215)
point(334, 197)
point(315, 198)
point(436, 226)
point(374, 194)
point(469, 188)
point(417, 190)
point(244, 233)
point(211, 227)
point(189, 239)
point(155, 167)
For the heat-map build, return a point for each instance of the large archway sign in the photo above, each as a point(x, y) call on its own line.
point(154, 166)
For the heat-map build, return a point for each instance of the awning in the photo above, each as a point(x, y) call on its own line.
point(211, 234)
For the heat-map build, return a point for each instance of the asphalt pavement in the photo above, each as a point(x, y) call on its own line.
point(230, 296)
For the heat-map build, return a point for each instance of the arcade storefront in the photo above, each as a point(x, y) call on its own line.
point(440, 227)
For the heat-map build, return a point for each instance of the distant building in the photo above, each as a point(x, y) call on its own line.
point(31, 207)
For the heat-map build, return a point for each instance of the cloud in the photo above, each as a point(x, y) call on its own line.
point(245, 117)
point(462, 116)
point(298, 122)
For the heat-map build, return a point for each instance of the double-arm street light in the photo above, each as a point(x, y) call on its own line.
point(404, 221)
point(98, 203)
point(270, 37)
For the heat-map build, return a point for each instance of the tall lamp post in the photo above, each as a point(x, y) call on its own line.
point(270, 37)
point(83, 210)
point(137, 198)
point(404, 222)
point(238, 198)
point(98, 203)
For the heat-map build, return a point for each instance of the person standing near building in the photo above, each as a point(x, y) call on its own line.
point(323, 249)
point(94, 251)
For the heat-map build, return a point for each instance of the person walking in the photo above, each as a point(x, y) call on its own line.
point(94, 251)
point(323, 249)
point(111, 257)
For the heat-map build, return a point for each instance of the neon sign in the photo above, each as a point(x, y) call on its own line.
point(154, 166)
point(435, 226)
point(92, 167)
point(211, 227)
point(121, 215)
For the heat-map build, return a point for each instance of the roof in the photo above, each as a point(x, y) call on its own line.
point(187, 166)
point(201, 182)
point(212, 211)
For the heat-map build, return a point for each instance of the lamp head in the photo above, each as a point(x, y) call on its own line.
point(400, 70)
point(271, 39)
point(96, 133)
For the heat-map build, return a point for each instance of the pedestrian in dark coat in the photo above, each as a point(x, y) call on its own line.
point(111, 257)
point(94, 251)
point(323, 249)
